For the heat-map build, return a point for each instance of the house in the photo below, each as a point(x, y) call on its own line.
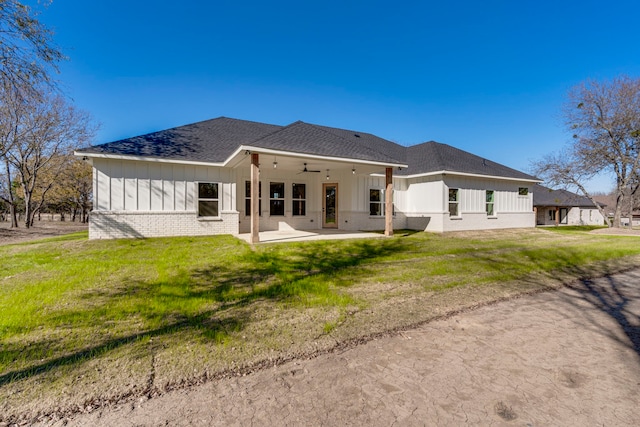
point(229, 176)
point(562, 207)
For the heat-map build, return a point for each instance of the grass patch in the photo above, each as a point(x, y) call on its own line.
point(150, 314)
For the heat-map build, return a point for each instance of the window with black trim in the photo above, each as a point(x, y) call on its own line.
point(490, 203)
point(208, 200)
point(453, 202)
point(299, 199)
point(523, 191)
point(276, 198)
point(247, 198)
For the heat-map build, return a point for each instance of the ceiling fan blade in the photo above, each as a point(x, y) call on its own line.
point(307, 170)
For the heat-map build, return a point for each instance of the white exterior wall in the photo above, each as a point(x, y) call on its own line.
point(356, 214)
point(427, 204)
point(313, 188)
point(510, 209)
point(353, 201)
point(423, 203)
point(138, 224)
point(148, 199)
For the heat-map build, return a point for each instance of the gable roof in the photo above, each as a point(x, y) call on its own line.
point(216, 140)
point(543, 196)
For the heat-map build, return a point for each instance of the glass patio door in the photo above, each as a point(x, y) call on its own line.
point(330, 206)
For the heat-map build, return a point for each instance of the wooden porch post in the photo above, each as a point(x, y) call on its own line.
point(255, 198)
point(388, 203)
point(557, 215)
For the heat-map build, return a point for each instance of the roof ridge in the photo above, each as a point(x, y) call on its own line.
point(326, 129)
point(282, 128)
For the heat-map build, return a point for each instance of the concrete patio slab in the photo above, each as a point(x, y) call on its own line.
point(279, 236)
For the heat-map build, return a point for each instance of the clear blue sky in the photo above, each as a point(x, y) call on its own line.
point(485, 76)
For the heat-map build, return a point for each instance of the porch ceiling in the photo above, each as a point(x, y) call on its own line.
point(296, 163)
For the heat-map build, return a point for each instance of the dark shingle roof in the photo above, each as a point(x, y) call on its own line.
point(434, 156)
point(208, 141)
point(543, 196)
point(306, 138)
point(215, 141)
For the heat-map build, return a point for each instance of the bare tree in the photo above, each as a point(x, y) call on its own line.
point(11, 104)
point(45, 132)
point(604, 119)
point(27, 52)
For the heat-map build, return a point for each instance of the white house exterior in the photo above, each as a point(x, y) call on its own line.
point(196, 180)
point(562, 207)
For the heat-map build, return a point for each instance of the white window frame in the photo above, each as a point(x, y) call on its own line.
point(491, 203)
point(295, 199)
point(247, 198)
point(282, 198)
point(455, 202)
point(208, 199)
point(382, 202)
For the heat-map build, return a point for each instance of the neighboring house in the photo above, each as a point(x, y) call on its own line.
point(562, 207)
point(197, 180)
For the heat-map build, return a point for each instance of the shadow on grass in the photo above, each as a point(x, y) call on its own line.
point(101, 349)
point(209, 301)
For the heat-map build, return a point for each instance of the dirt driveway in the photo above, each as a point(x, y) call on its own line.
point(570, 357)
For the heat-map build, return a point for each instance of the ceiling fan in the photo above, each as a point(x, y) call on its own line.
point(307, 170)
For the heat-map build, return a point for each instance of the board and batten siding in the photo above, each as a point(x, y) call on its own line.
point(121, 185)
point(472, 193)
point(424, 201)
point(130, 195)
point(511, 210)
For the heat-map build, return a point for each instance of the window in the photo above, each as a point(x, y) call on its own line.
point(375, 203)
point(247, 198)
point(208, 199)
point(276, 199)
point(523, 191)
point(552, 215)
point(299, 195)
point(453, 202)
point(489, 205)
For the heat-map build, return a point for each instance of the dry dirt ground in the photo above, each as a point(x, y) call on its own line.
point(569, 357)
point(40, 230)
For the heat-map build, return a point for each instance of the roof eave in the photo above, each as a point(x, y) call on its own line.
point(229, 161)
point(473, 175)
point(89, 155)
point(352, 160)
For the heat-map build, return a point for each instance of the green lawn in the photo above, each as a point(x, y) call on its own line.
point(98, 320)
